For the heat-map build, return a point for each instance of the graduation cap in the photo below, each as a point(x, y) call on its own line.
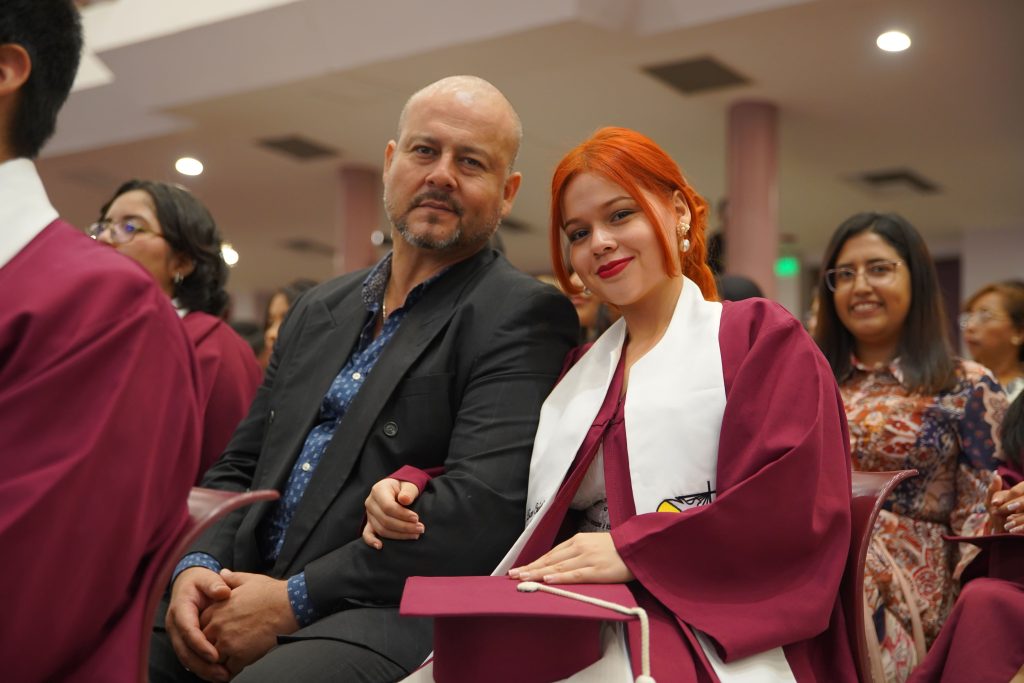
point(1005, 554)
point(492, 628)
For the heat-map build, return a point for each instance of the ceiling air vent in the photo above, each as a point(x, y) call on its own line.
point(698, 75)
point(896, 181)
point(304, 245)
point(298, 147)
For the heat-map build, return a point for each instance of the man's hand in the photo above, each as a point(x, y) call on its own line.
point(196, 589)
point(584, 558)
point(387, 514)
point(245, 626)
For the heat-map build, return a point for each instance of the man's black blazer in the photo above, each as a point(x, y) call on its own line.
point(460, 386)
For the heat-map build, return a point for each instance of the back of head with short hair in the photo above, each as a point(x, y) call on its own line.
point(51, 33)
point(633, 162)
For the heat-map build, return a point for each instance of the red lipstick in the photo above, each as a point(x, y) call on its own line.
point(613, 268)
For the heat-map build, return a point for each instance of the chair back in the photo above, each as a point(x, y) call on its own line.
point(870, 489)
point(205, 506)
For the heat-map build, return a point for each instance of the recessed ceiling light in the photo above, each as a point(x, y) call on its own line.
point(893, 41)
point(228, 253)
point(188, 166)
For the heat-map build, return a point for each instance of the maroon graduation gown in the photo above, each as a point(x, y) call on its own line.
point(228, 378)
point(760, 567)
point(99, 445)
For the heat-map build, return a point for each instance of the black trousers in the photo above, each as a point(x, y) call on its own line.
point(303, 661)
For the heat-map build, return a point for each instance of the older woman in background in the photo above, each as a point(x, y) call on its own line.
point(993, 325)
point(910, 403)
point(172, 235)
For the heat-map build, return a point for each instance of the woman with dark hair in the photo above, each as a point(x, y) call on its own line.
point(695, 452)
point(172, 235)
point(993, 325)
point(277, 307)
point(910, 403)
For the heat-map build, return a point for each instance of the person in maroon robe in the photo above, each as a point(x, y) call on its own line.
point(99, 431)
point(697, 451)
point(173, 236)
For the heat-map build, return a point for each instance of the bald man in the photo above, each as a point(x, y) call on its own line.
point(438, 357)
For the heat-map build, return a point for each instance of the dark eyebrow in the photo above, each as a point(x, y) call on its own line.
point(602, 206)
point(869, 262)
point(129, 217)
point(415, 140)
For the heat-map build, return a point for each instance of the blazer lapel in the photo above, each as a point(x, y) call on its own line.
point(319, 354)
point(421, 325)
point(316, 356)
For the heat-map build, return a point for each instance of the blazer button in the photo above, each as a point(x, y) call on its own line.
point(390, 428)
point(270, 419)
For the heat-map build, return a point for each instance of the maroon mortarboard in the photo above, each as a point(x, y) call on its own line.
point(1005, 554)
point(492, 628)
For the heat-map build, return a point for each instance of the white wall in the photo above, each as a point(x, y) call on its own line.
point(990, 255)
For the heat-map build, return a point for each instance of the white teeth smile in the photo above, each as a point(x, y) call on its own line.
point(864, 307)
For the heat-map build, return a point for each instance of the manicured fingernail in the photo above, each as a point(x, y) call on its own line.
point(525, 576)
point(513, 573)
point(1015, 505)
point(420, 528)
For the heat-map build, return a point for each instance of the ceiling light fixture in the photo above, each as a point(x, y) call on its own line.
point(228, 253)
point(188, 166)
point(893, 41)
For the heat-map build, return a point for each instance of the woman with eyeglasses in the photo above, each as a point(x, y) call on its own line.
point(910, 404)
point(993, 326)
point(172, 235)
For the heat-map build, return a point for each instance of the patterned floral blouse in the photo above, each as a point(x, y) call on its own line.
point(950, 439)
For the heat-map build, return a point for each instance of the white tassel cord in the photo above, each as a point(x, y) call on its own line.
point(639, 612)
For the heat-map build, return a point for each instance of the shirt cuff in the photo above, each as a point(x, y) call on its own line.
point(416, 476)
point(298, 596)
point(196, 560)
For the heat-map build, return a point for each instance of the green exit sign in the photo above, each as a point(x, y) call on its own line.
point(787, 266)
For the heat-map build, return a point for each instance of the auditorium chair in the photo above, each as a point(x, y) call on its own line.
point(870, 490)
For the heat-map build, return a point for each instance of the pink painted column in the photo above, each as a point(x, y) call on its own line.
point(359, 202)
point(752, 188)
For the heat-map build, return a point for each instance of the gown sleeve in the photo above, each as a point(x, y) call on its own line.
point(760, 566)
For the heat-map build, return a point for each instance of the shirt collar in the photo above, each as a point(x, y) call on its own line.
point(179, 308)
point(892, 367)
point(376, 283)
point(25, 210)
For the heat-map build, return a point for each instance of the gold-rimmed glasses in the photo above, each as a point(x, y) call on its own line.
point(121, 232)
point(878, 273)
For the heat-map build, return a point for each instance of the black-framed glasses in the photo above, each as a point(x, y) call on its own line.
point(877, 273)
point(121, 232)
point(981, 317)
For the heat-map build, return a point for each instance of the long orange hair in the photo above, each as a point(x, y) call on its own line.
point(634, 162)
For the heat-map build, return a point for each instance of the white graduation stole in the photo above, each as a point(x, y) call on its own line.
point(673, 415)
